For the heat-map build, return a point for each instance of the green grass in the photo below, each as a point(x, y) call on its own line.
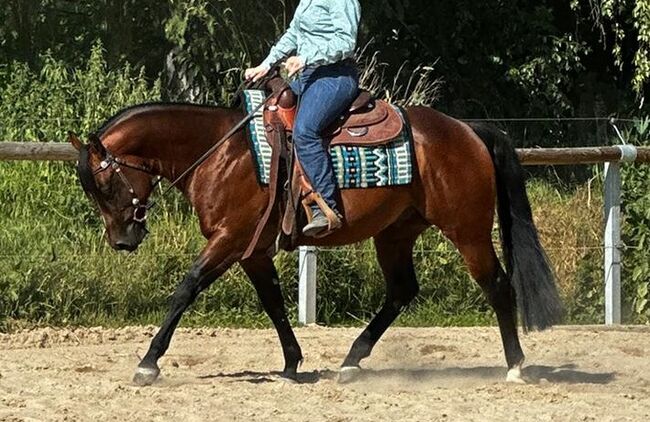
point(56, 268)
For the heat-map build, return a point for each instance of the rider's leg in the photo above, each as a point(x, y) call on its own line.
point(326, 93)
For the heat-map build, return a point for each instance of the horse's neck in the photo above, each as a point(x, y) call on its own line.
point(168, 140)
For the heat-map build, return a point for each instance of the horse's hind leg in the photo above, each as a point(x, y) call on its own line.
point(485, 268)
point(395, 254)
point(262, 272)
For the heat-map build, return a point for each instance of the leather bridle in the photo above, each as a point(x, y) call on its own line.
point(139, 208)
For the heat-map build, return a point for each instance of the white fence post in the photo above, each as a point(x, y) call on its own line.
point(307, 286)
point(612, 243)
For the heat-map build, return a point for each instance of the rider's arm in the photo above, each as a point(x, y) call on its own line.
point(345, 16)
point(287, 44)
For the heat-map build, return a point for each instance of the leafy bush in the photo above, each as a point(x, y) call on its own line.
point(44, 105)
point(636, 231)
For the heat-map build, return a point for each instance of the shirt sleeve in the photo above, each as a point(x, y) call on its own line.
point(288, 43)
point(345, 16)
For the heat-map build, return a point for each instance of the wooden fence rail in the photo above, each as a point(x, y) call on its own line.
point(56, 151)
point(37, 151)
point(612, 157)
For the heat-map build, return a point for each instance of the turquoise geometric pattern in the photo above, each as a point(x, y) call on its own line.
point(259, 145)
point(354, 166)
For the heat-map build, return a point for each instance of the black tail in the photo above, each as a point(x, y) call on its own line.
point(526, 262)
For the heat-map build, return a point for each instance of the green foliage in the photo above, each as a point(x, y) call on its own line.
point(213, 41)
point(56, 267)
point(46, 240)
point(550, 75)
point(44, 105)
point(629, 24)
point(130, 29)
point(547, 59)
point(636, 211)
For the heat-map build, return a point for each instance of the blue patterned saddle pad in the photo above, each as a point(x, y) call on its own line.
point(354, 166)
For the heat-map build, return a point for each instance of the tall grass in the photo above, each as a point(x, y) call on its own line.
point(417, 86)
point(56, 268)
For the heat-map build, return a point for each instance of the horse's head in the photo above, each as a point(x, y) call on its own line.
point(120, 189)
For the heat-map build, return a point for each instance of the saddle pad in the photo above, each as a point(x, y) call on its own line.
point(354, 166)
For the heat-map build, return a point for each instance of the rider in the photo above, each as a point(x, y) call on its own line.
point(323, 37)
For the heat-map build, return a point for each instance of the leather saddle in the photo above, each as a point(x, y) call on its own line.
point(366, 122)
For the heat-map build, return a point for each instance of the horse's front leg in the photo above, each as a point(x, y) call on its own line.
point(261, 270)
point(215, 259)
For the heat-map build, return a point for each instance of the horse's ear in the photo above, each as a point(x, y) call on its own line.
point(74, 140)
point(96, 144)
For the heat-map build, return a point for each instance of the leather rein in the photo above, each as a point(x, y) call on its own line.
point(140, 209)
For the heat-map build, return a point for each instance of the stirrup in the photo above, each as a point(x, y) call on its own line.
point(334, 219)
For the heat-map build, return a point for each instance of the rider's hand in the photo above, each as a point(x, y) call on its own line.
point(294, 65)
point(256, 73)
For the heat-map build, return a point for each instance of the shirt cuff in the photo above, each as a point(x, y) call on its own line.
point(269, 61)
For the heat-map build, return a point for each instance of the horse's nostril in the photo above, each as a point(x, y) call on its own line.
point(123, 246)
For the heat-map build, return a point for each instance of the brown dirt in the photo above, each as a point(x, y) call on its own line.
point(586, 373)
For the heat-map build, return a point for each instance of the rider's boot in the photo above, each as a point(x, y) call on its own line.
point(320, 226)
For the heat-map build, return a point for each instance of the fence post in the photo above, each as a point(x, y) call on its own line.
point(307, 286)
point(612, 243)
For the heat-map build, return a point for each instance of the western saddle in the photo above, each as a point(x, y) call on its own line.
point(368, 122)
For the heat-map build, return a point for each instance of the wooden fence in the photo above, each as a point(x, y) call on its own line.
point(612, 157)
point(53, 151)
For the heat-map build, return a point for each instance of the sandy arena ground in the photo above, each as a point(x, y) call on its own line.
point(581, 374)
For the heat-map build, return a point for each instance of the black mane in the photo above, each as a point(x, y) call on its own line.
point(86, 176)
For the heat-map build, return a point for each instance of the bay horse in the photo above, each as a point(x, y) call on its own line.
point(462, 173)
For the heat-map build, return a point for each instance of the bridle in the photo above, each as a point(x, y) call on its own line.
point(139, 208)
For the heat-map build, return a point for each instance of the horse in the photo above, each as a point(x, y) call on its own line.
point(464, 175)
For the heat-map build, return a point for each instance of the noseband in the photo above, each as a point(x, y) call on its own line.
point(112, 162)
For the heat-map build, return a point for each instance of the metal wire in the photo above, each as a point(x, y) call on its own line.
point(555, 119)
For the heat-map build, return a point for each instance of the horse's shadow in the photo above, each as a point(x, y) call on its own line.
point(255, 377)
point(534, 374)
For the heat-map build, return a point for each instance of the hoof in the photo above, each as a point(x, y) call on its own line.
point(514, 375)
point(348, 374)
point(287, 380)
point(145, 376)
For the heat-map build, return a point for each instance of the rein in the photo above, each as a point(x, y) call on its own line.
point(220, 142)
point(273, 71)
point(140, 210)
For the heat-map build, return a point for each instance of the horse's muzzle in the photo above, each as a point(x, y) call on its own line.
point(129, 241)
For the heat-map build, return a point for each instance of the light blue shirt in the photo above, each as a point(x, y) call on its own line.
point(322, 32)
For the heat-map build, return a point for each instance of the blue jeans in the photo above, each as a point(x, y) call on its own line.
point(325, 93)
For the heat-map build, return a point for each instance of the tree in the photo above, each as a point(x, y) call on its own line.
point(625, 30)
